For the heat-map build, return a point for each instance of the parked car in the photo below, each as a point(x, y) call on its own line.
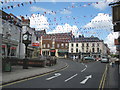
point(104, 60)
point(88, 58)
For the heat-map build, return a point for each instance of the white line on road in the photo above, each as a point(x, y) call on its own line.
point(56, 75)
point(71, 77)
point(83, 70)
point(85, 80)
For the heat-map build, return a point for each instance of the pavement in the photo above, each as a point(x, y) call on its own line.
point(113, 77)
point(18, 73)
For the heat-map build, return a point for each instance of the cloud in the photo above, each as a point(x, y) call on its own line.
point(65, 12)
point(39, 22)
point(37, 9)
point(110, 41)
point(102, 20)
point(102, 4)
point(65, 28)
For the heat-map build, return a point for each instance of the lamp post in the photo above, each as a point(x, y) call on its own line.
point(26, 40)
point(8, 36)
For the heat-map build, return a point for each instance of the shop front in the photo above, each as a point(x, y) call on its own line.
point(62, 53)
point(52, 52)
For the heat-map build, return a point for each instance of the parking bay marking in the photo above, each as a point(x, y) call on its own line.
point(71, 77)
point(85, 80)
point(55, 75)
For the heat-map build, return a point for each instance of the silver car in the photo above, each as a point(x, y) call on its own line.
point(105, 59)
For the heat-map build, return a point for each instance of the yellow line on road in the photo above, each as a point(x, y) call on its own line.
point(66, 66)
point(102, 82)
point(105, 77)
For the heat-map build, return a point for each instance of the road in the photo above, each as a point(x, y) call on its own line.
point(76, 75)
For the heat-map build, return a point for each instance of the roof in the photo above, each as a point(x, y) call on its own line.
point(40, 33)
point(86, 39)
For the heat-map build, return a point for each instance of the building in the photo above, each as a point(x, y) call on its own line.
point(12, 31)
point(87, 46)
point(56, 44)
point(11, 28)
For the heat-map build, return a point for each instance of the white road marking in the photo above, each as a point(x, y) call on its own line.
point(71, 77)
point(56, 75)
point(85, 80)
point(83, 70)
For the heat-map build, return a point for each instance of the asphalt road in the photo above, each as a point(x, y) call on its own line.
point(76, 75)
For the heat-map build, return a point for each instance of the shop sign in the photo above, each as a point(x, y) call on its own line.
point(52, 50)
point(35, 44)
point(3, 46)
point(13, 47)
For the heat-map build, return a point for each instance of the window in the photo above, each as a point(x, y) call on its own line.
point(93, 50)
point(82, 49)
point(76, 50)
point(87, 45)
point(97, 49)
point(36, 38)
point(58, 45)
point(71, 50)
point(48, 45)
point(98, 44)
point(44, 45)
point(93, 44)
point(82, 44)
point(72, 44)
point(77, 45)
point(66, 44)
point(62, 44)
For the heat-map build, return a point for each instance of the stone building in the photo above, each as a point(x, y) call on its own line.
point(87, 46)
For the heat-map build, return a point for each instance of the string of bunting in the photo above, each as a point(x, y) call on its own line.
point(16, 5)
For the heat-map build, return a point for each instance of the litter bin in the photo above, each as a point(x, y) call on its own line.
point(7, 67)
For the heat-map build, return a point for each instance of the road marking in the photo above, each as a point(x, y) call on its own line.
point(102, 82)
point(71, 77)
point(56, 75)
point(85, 80)
point(83, 70)
point(66, 66)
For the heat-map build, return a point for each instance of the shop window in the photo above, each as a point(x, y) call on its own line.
point(13, 51)
point(3, 50)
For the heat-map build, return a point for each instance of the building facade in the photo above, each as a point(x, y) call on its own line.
point(87, 46)
point(56, 44)
point(12, 31)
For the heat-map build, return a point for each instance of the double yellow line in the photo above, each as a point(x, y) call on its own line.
point(102, 82)
point(66, 66)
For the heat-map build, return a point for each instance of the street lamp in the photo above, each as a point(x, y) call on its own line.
point(8, 36)
point(27, 38)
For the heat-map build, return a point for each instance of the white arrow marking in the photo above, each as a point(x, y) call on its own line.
point(56, 75)
point(85, 80)
point(71, 77)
